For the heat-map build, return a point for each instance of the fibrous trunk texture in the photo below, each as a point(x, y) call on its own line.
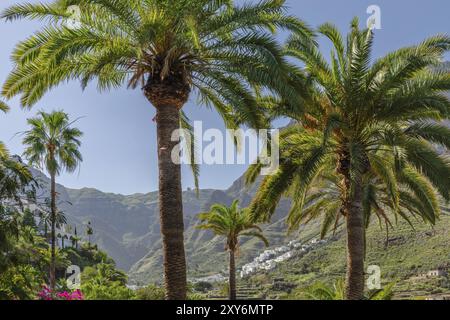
point(168, 99)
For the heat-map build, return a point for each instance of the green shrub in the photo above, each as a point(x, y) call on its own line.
point(20, 283)
point(105, 282)
point(92, 290)
point(150, 292)
point(203, 286)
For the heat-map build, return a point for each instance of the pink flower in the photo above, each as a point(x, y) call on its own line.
point(46, 294)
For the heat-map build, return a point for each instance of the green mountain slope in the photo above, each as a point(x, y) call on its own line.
point(127, 228)
point(407, 254)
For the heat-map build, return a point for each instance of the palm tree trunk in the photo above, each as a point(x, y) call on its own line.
point(170, 203)
point(53, 232)
point(232, 276)
point(355, 246)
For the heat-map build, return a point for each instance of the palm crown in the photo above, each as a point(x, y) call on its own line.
point(52, 143)
point(220, 50)
point(373, 120)
point(230, 222)
point(367, 139)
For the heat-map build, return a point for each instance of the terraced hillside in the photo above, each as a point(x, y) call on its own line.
point(403, 258)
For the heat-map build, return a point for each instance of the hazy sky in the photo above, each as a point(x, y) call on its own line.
point(119, 146)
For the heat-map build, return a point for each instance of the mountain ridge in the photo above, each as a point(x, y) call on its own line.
point(127, 227)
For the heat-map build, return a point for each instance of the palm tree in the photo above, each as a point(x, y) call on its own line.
point(44, 222)
point(89, 233)
point(231, 223)
point(53, 144)
point(368, 135)
point(170, 49)
point(75, 239)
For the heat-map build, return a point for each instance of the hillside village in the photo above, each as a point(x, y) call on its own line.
point(269, 259)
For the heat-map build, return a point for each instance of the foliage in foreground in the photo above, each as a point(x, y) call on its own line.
point(154, 292)
point(322, 291)
point(104, 282)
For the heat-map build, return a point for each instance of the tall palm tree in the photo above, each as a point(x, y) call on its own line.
point(231, 223)
point(53, 144)
point(368, 133)
point(170, 49)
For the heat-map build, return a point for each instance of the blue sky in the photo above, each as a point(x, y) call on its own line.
point(119, 146)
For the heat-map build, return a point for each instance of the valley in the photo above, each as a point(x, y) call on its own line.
point(127, 228)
